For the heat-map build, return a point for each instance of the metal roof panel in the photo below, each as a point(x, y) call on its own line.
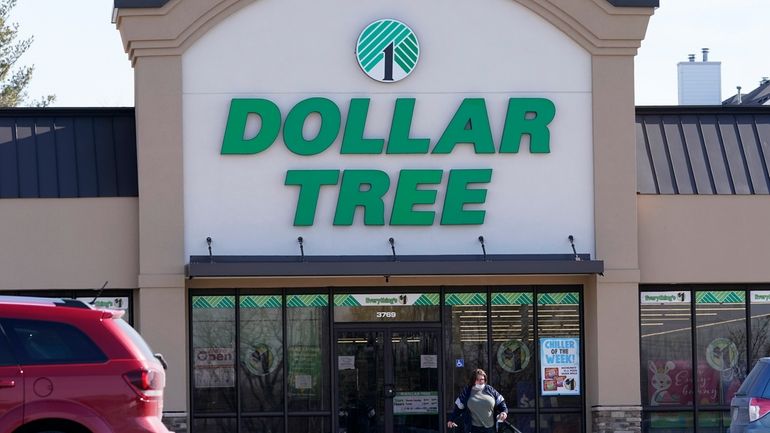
point(62, 153)
point(703, 150)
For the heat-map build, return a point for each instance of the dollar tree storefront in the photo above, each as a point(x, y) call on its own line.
point(355, 205)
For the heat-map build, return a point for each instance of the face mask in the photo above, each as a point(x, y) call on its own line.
point(478, 387)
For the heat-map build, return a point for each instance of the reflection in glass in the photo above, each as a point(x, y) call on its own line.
point(760, 329)
point(307, 424)
point(213, 425)
point(307, 352)
point(558, 316)
point(666, 367)
point(415, 367)
point(262, 425)
point(524, 422)
point(261, 372)
point(360, 381)
point(513, 349)
point(560, 423)
point(667, 422)
point(720, 320)
point(466, 314)
point(713, 422)
point(213, 341)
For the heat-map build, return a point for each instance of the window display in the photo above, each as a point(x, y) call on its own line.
point(697, 343)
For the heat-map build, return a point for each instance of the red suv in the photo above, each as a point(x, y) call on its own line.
point(66, 367)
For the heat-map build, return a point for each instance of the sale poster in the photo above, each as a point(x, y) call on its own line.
point(560, 366)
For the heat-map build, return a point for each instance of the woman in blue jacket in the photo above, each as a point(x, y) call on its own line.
point(477, 404)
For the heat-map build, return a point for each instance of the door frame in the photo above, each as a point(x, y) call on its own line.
point(387, 329)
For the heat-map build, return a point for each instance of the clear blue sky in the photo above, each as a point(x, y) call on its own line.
point(78, 55)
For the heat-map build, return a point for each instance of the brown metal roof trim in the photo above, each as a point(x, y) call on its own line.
point(708, 150)
point(635, 3)
point(140, 3)
point(159, 3)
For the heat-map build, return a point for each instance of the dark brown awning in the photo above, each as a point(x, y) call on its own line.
point(273, 266)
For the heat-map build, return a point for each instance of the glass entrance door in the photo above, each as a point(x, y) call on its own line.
point(388, 381)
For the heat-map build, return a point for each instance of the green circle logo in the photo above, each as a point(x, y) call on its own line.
point(387, 50)
point(722, 354)
point(513, 356)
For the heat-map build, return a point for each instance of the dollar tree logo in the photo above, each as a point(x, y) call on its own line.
point(387, 50)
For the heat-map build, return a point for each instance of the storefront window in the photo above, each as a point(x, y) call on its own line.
point(667, 422)
point(214, 425)
point(309, 424)
point(713, 422)
point(560, 423)
point(307, 346)
point(698, 378)
point(760, 325)
point(720, 320)
point(513, 348)
point(262, 425)
point(524, 422)
point(466, 345)
point(666, 348)
point(213, 346)
point(558, 330)
point(263, 361)
point(261, 353)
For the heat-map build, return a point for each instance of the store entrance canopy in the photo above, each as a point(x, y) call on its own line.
point(299, 266)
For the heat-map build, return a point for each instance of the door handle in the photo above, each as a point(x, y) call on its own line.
point(7, 383)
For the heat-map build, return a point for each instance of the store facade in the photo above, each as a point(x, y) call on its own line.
point(339, 215)
point(431, 153)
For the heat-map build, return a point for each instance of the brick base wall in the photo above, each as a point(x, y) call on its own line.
point(616, 419)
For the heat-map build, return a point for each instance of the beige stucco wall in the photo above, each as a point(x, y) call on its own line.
point(74, 243)
point(161, 302)
point(700, 239)
point(611, 312)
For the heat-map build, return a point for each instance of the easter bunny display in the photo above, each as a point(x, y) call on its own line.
point(661, 381)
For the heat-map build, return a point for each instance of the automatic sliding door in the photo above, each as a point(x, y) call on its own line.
point(360, 381)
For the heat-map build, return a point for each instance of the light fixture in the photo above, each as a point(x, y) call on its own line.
point(574, 251)
point(301, 248)
point(483, 248)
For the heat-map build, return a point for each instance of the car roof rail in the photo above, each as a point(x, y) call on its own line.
point(53, 302)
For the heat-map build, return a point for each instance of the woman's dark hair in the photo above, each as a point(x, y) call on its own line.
point(477, 372)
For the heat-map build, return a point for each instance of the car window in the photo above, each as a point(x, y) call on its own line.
point(44, 342)
point(6, 357)
point(754, 374)
point(135, 338)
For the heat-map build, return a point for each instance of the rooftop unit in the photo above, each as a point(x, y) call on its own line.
point(700, 83)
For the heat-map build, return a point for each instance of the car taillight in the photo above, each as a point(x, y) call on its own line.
point(146, 383)
point(758, 407)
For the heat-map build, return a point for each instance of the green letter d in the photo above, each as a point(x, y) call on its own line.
point(270, 116)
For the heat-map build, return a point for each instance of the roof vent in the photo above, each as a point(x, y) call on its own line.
point(691, 57)
point(739, 96)
point(705, 54)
